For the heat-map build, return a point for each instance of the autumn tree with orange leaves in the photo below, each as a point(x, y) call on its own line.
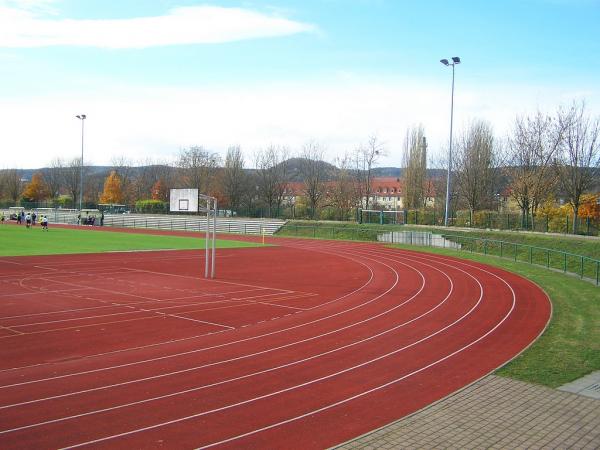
point(160, 191)
point(112, 189)
point(590, 207)
point(36, 190)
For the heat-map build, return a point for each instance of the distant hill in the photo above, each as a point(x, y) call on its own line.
point(294, 170)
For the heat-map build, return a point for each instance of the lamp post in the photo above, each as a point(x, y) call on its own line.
point(455, 61)
point(81, 117)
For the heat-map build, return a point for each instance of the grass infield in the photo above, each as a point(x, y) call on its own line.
point(20, 241)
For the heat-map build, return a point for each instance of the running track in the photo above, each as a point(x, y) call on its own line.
point(302, 345)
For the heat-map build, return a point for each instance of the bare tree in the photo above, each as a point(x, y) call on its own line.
point(532, 146)
point(365, 158)
point(148, 173)
point(314, 174)
point(415, 167)
point(71, 178)
point(198, 168)
point(438, 185)
point(271, 177)
point(476, 164)
point(13, 184)
point(233, 177)
point(53, 177)
point(342, 194)
point(578, 160)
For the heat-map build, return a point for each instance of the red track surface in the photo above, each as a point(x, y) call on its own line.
point(304, 345)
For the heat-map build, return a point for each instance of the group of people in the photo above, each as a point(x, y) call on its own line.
point(29, 219)
point(90, 219)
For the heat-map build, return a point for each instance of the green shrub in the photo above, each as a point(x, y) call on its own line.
point(151, 206)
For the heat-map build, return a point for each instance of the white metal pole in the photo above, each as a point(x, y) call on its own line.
point(212, 274)
point(207, 238)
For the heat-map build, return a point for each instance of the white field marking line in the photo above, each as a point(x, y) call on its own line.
point(288, 364)
point(154, 316)
point(209, 281)
point(119, 305)
point(331, 375)
point(277, 305)
point(17, 276)
point(75, 327)
point(250, 298)
point(12, 262)
point(137, 310)
point(423, 283)
point(60, 291)
point(174, 355)
point(207, 348)
point(108, 291)
point(201, 321)
point(11, 330)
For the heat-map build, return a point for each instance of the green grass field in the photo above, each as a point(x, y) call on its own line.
point(20, 241)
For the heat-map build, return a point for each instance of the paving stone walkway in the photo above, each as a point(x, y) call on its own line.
point(495, 413)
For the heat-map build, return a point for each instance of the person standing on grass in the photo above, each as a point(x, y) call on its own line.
point(44, 223)
point(28, 220)
point(2, 218)
point(33, 217)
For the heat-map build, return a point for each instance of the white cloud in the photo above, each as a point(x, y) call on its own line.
point(156, 122)
point(19, 27)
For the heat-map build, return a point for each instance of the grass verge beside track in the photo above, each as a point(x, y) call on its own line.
point(20, 241)
point(578, 245)
point(570, 346)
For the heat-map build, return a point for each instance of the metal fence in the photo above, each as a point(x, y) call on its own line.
point(501, 221)
point(582, 266)
point(192, 223)
point(166, 222)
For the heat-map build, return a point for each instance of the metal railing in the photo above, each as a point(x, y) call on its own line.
point(192, 223)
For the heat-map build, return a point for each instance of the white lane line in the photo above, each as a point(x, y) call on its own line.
point(312, 338)
point(175, 355)
point(316, 380)
point(60, 291)
point(172, 341)
point(423, 284)
point(201, 321)
point(17, 333)
point(288, 364)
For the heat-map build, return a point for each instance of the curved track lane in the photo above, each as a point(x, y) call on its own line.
point(305, 345)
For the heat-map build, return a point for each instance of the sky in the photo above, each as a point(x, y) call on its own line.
point(156, 77)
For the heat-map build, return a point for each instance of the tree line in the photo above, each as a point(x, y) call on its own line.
point(543, 158)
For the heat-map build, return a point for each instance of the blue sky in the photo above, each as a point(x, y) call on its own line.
point(155, 77)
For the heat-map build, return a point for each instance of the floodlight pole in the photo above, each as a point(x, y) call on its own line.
point(81, 117)
point(455, 60)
